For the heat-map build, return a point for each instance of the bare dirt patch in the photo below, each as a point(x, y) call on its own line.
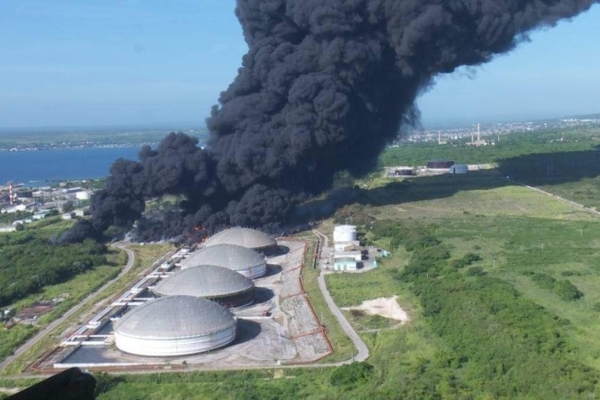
point(386, 307)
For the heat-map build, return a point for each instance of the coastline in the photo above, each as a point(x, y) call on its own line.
point(45, 167)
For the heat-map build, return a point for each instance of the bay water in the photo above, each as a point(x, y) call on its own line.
point(37, 168)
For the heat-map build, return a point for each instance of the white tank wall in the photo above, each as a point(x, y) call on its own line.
point(341, 246)
point(344, 233)
point(253, 272)
point(174, 347)
point(82, 195)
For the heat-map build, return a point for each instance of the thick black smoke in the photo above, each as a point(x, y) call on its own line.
point(324, 86)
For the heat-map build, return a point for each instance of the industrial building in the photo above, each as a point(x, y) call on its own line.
point(348, 253)
point(245, 237)
point(439, 164)
point(458, 169)
point(399, 172)
point(478, 142)
point(175, 326)
point(218, 284)
point(356, 255)
point(345, 264)
point(237, 258)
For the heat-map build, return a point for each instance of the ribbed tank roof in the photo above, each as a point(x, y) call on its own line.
point(225, 255)
point(204, 281)
point(246, 237)
point(174, 317)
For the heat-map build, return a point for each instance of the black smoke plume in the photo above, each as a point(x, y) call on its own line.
point(324, 86)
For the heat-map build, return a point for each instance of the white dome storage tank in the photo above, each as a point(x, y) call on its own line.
point(237, 258)
point(245, 237)
point(458, 169)
point(175, 326)
point(344, 233)
point(218, 284)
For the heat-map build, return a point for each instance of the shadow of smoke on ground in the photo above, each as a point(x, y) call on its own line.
point(553, 168)
point(533, 169)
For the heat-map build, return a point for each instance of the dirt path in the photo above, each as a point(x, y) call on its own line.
point(386, 307)
point(573, 203)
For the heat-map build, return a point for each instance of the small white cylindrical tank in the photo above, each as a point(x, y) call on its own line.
point(344, 233)
point(83, 195)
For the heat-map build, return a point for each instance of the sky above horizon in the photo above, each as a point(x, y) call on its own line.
point(100, 63)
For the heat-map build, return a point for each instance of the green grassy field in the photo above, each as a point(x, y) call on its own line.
point(516, 230)
point(514, 247)
point(519, 233)
point(510, 147)
point(32, 136)
point(490, 329)
point(79, 287)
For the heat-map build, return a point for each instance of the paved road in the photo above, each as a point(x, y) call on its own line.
point(33, 341)
point(363, 350)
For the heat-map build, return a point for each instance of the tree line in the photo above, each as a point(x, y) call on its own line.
point(29, 261)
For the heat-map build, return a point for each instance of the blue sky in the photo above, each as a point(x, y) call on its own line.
point(108, 62)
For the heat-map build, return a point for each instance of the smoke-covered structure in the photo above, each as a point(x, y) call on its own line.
point(324, 86)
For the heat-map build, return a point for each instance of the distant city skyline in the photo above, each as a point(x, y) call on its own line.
point(115, 63)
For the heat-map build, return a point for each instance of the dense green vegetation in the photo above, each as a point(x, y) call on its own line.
point(14, 337)
point(32, 269)
point(504, 345)
point(8, 218)
point(351, 375)
point(502, 285)
point(569, 168)
point(78, 288)
point(474, 335)
point(30, 261)
point(510, 147)
point(562, 288)
point(30, 137)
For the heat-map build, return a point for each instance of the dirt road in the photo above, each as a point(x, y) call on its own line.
point(573, 203)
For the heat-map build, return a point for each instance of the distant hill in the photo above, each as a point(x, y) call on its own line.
point(585, 116)
point(95, 135)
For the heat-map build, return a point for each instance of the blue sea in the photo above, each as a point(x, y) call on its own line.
point(37, 168)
